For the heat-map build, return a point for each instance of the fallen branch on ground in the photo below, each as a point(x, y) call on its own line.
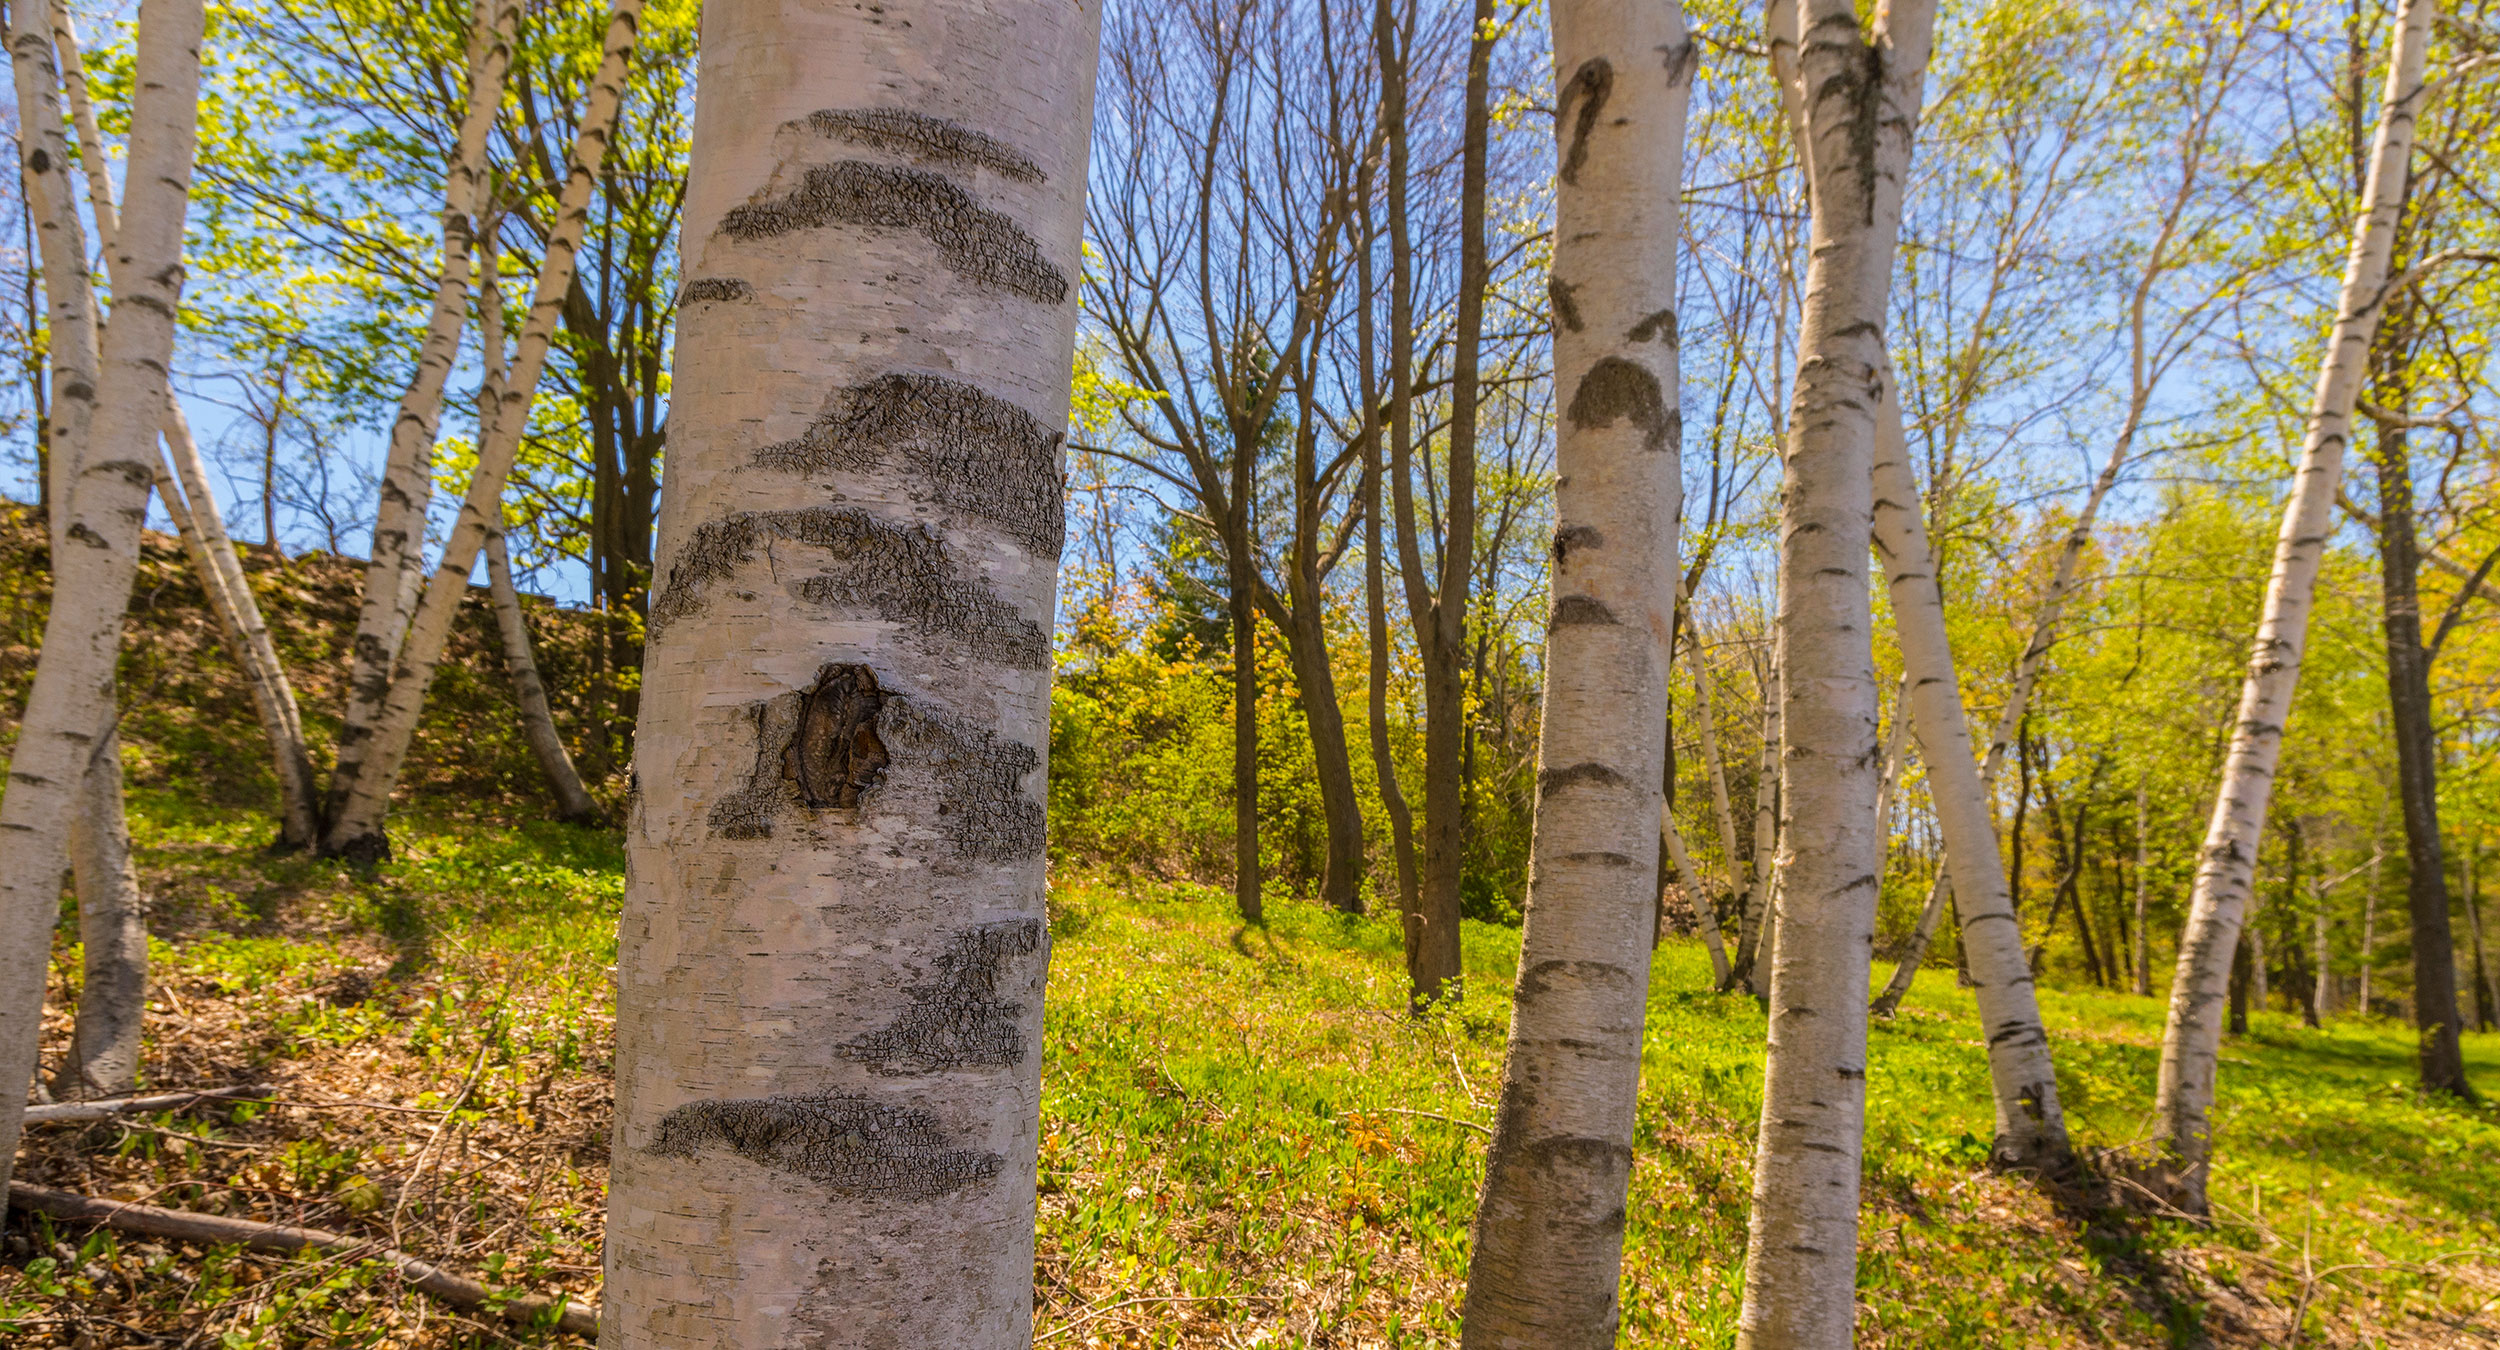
point(105, 1108)
point(458, 1291)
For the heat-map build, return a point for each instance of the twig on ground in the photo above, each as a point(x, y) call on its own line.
point(1065, 1327)
point(105, 1108)
point(1484, 1130)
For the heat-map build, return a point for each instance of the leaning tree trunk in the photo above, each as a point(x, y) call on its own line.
point(70, 704)
point(1859, 96)
point(396, 568)
point(2486, 989)
point(1922, 936)
point(1547, 1260)
point(1723, 813)
point(2191, 1043)
point(1705, 915)
point(2030, 1125)
point(356, 831)
point(113, 934)
point(833, 947)
point(538, 725)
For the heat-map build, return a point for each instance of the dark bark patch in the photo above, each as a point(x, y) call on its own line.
point(1541, 978)
point(1573, 609)
point(1589, 86)
point(1566, 303)
point(40, 162)
point(973, 241)
point(1658, 327)
point(834, 755)
point(715, 288)
point(1551, 781)
point(1617, 390)
point(852, 1146)
point(982, 807)
point(957, 1020)
point(901, 573)
point(1575, 537)
point(980, 455)
point(923, 137)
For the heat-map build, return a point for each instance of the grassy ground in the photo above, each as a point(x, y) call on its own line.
point(1246, 1141)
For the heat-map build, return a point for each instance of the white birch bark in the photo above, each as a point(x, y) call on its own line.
point(1895, 764)
point(363, 794)
point(70, 703)
point(2191, 1043)
point(1860, 98)
point(113, 938)
point(1922, 935)
point(2030, 1125)
point(395, 569)
point(833, 947)
point(538, 724)
point(1705, 912)
point(1547, 1261)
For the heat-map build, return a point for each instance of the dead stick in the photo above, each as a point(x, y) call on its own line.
point(456, 1290)
point(105, 1108)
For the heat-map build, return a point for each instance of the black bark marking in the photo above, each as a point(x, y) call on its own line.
point(901, 573)
point(715, 288)
point(1551, 781)
point(957, 1020)
point(924, 137)
point(1566, 305)
point(852, 1146)
point(834, 755)
point(1541, 978)
point(1574, 537)
point(982, 805)
point(1660, 326)
point(981, 455)
point(1616, 390)
point(40, 162)
point(974, 241)
point(1580, 609)
point(1590, 84)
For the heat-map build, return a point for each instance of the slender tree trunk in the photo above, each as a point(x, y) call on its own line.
point(113, 932)
point(1247, 883)
point(2142, 962)
point(1857, 95)
point(2369, 919)
point(1375, 582)
point(395, 569)
point(70, 703)
point(1723, 812)
point(356, 830)
point(833, 948)
point(1705, 916)
point(1761, 931)
point(2191, 1042)
point(2030, 1124)
point(538, 725)
point(2486, 990)
point(1303, 620)
point(1547, 1262)
point(1922, 936)
point(2322, 992)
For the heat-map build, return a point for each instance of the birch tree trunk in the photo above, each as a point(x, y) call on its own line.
point(1548, 1250)
point(2191, 1042)
point(1922, 936)
point(833, 946)
point(1860, 94)
point(1758, 937)
point(1722, 810)
point(538, 725)
point(364, 793)
point(2030, 1125)
point(395, 569)
point(1705, 914)
point(70, 704)
point(113, 937)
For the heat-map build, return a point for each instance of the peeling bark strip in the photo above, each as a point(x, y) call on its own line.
point(922, 136)
point(958, 1019)
point(902, 573)
point(982, 455)
point(849, 1145)
point(974, 241)
point(715, 288)
point(1615, 390)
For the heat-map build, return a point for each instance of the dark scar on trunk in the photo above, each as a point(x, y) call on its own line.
point(1615, 390)
point(901, 573)
point(1590, 84)
point(1566, 308)
point(1554, 780)
point(715, 288)
point(922, 136)
point(1660, 326)
point(980, 455)
point(851, 1146)
point(834, 755)
point(1576, 537)
point(957, 1019)
point(973, 241)
point(1573, 609)
point(982, 806)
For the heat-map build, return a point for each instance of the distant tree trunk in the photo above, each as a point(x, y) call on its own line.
point(2030, 1123)
point(1547, 1260)
point(1922, 935)
point(356, 830)
point(2369, 917)
point(1854, 95)
point(2191, 1041)
point(1705, 916)
point(70, 704)
point(2435, 1015)
point(538, 726)
point(1756, 936)
point(1239, 585)
point(1302, 618)
point(2322, 989)
point(1723, 812)
point(833, 949)
point(2239, 991)
point(395, 568)
point(1375, 583)
point(2486, 989)
point(2142, 964)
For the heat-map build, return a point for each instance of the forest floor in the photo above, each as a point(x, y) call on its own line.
point(1245, 1139)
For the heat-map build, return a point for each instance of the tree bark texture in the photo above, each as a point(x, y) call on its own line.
point(1705, 912)
point(2227, 862)
point(1860, 93)
point(1547, 1258)
point(356, 831)
point(2030, 1125)
point(70, 705)
point(833, 946)
point(538, 725)
point(113, 938)
point(1375, 582)
point(2141, 958)
point(395, 567)
point(1922, 936)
